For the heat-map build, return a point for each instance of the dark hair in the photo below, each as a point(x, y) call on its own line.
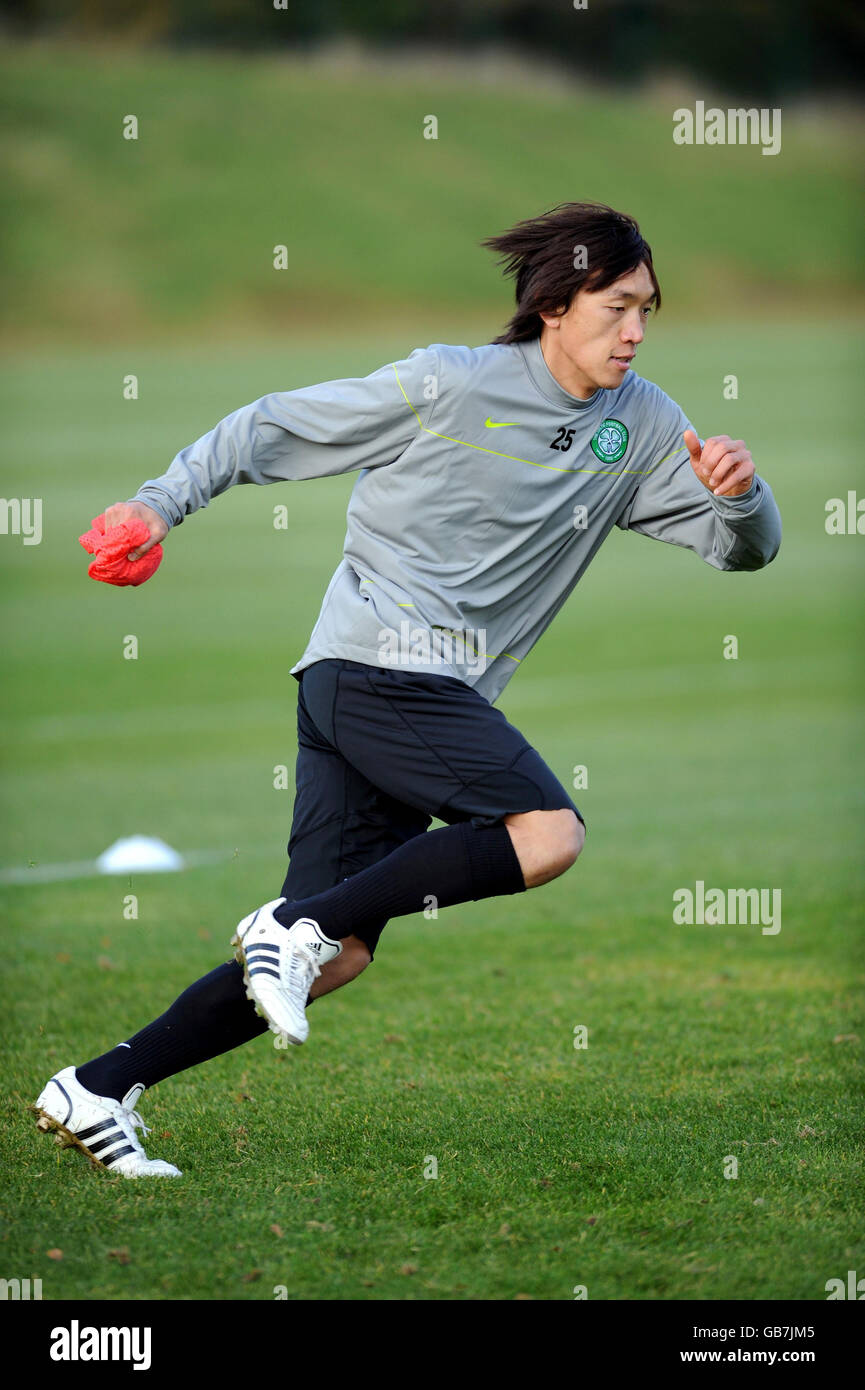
point(541, 254)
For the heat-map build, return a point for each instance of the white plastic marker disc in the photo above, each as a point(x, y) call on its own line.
point(139, 854)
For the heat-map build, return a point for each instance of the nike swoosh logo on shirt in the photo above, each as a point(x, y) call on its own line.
point(498, 424)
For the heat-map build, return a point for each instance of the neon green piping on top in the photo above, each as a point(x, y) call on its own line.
point(604, 472)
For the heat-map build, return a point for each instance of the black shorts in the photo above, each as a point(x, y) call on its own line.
point(381, 752)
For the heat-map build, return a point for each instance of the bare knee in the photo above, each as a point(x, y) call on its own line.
point(547, 843)
point(354, 958)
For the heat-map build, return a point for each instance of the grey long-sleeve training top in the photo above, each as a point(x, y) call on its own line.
point(485, 491)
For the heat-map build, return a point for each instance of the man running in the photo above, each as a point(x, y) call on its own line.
point(488, 479)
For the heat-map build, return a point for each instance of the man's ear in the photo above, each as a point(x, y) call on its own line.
point(552, 320)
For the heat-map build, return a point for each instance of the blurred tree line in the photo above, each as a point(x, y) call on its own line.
point(755, 50)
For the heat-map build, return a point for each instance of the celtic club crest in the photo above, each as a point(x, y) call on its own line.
point(610, 441)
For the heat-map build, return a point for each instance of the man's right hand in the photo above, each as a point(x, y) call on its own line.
point(126, 511)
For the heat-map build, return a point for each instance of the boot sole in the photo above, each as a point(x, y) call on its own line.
point(47, 1124)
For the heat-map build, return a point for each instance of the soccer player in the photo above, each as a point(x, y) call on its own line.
point(488, 479)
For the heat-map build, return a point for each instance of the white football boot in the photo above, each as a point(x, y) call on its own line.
point(102, 1128)
point(279, 965)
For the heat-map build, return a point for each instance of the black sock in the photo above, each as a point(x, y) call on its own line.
point(211, 1017)
point(456, 864)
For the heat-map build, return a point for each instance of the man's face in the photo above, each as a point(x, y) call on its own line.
point(594, 343)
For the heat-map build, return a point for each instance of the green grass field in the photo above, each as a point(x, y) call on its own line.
point(602, 1167)
point(305, 1170)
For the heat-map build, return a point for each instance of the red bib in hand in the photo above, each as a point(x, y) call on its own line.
point(111, 548)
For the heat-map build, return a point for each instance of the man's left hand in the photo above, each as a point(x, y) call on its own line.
point(722, 464)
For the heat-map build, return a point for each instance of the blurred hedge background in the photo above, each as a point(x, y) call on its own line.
point(304, 127)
